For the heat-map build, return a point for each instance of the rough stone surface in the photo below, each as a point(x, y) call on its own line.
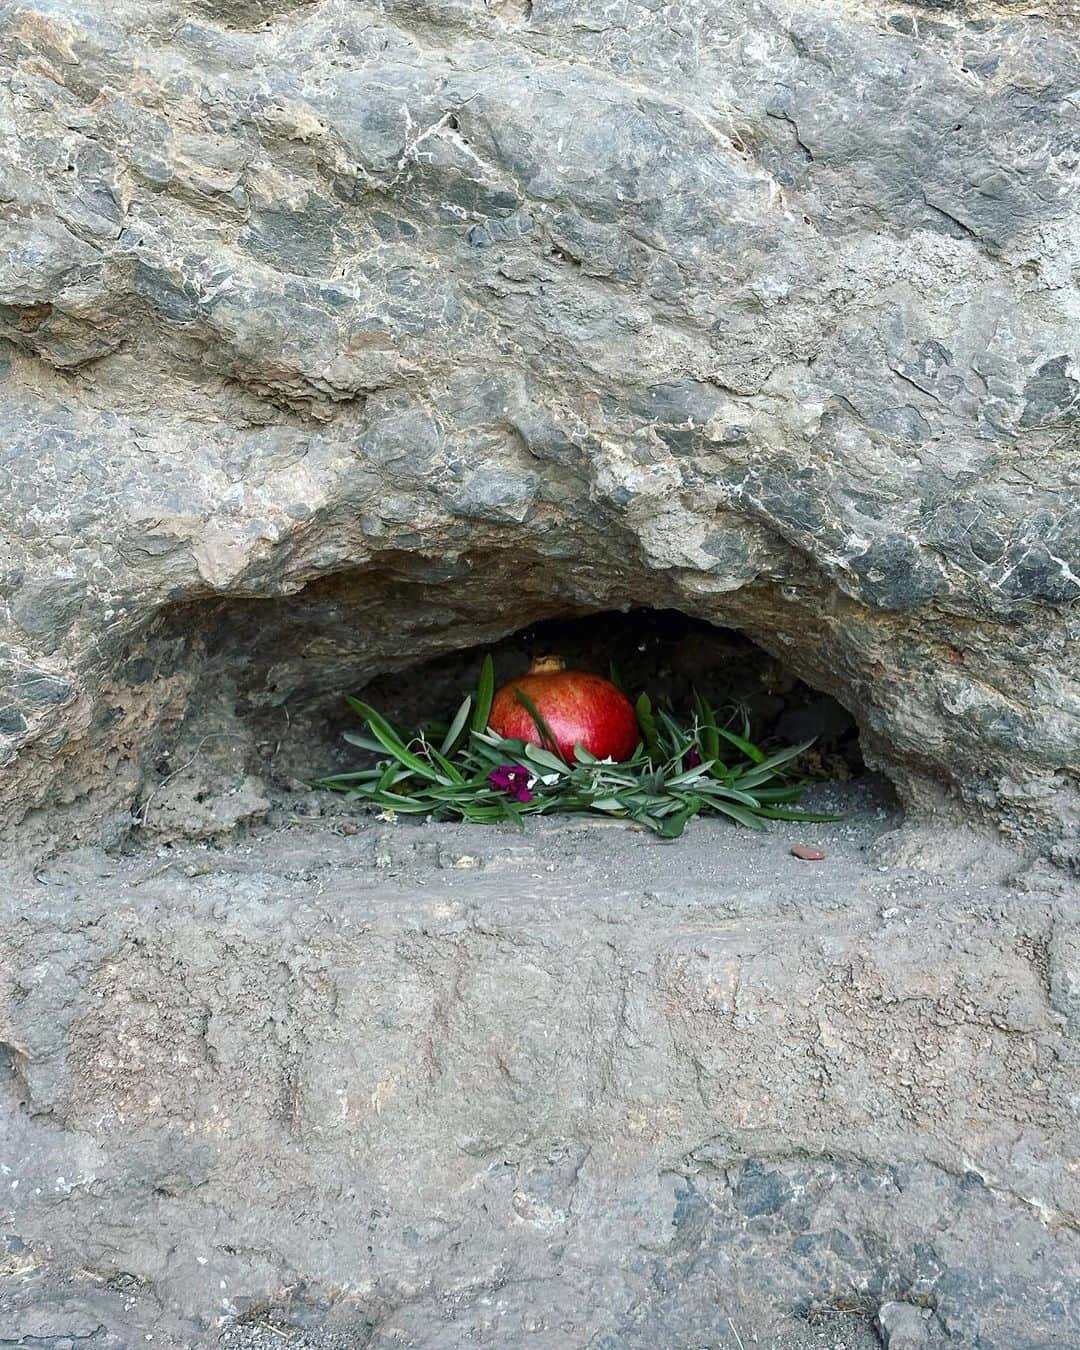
point(423, 1087)
point(336, 335)
point(904, 1326)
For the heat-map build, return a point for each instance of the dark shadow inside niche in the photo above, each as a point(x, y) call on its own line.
point(257, 689)
point(13, 1087)
point(661, 651)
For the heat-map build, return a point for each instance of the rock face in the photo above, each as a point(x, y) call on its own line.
point(337, 335)
point(424, 1088)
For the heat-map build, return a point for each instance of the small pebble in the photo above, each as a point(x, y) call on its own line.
point(806, 853)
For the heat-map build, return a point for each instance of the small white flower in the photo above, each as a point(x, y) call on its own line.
point(548, 778)
point(389, 815)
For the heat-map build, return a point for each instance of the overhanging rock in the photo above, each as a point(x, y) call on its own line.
point(404, 325)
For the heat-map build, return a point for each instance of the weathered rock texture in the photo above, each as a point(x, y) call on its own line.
point(428, 1087)
point(342, 334)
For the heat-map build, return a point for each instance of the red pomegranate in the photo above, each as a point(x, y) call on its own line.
point(578, 707)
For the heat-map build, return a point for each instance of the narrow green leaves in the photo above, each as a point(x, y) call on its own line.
point(458, 729)
point(463, 769)
point(708, 732)
point(543, 730)
point(485, 693)
point(649, 731)
point(545, 759)
point(388, 737)
point(741, 743)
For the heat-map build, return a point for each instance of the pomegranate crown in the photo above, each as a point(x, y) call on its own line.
point(546, 665)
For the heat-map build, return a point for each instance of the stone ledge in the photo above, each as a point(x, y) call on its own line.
point(573, 1075)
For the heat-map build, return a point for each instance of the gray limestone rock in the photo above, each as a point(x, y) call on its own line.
point(904, 1326)
point(421, 1086)
point(339, 335)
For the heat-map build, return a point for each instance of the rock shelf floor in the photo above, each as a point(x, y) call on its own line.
point(911, 897)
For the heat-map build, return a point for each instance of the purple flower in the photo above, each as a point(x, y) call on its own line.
point(692, 758)
point(513, 779)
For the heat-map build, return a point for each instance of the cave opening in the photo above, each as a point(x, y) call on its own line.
point(265, 708)
point(661, 651)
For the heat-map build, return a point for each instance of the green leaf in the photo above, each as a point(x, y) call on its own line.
point(359, 774)
point(791, 793)
point(510, 811)
point(647, 723)
point(451, 770)
point(615, 677)
point(652, 788)
point(739, 813)
point(766, 768)
point(748, 748)
point(364, 742)
point(480, 815)
point(494, 749)
point(393, 773)
point(690, 775)
point(547, 740)
point(671, 827)
point(458, 729)
point(391, 741)
point(411, 805)
point(725, 792)
point(485, 693)
point(710, 731)
point(537, 755)
point(681, 740)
